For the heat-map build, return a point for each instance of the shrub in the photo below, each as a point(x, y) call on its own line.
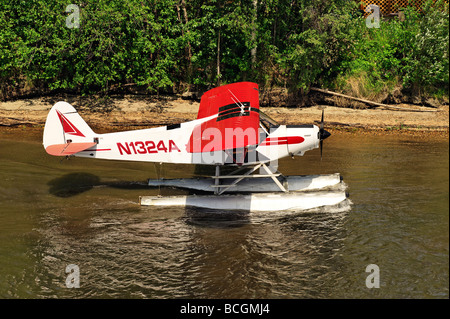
point(173, 44)
point(411, 54)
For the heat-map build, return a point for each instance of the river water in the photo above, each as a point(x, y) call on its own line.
point(85, 212)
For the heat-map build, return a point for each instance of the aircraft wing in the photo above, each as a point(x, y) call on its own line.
point(236, 123)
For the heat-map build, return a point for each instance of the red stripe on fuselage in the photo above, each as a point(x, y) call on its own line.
point(282, 140)
point(98, 150)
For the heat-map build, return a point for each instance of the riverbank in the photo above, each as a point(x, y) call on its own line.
point(133, 112)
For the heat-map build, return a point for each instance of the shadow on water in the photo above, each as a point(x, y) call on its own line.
point(73, 184)
point(215, 218)
point(76, 183)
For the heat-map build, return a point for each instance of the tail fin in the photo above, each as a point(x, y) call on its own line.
point(65, 132)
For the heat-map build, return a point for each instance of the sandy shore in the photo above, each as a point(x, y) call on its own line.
point(128, 112)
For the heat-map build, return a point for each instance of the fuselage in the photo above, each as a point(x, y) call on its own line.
point(169, 144)
point(230, 129)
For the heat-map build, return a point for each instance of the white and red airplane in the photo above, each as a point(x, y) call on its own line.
point(230, 129)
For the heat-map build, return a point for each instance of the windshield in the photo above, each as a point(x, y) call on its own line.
point(267, 121)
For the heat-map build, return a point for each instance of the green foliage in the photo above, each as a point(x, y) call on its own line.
point(428, 62)
point(173, 44)
point(312, 51)
point(118, 42)
point(221, 32)
point(376, 55)
point(412, 53)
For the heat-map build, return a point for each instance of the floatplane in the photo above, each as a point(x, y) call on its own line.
point(230, 130)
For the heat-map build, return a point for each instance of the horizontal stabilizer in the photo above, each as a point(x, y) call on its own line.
point(68, 148)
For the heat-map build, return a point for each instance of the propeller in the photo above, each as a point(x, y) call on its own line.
point(323, 134)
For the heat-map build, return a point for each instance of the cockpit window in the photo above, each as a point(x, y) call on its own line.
point(266, 121)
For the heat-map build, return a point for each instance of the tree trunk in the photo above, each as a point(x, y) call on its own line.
point(218, 59)
point(183, 5)
point(388, 107)
point(183, 27)
point(253, 50)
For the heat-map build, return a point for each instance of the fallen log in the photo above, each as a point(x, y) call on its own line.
point(18, 124)
point(388, 107)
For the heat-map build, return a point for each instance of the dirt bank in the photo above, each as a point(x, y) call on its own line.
point(117, 113)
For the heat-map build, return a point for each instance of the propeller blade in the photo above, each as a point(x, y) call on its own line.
point(321, 147)
point(321, 122)
point(323, 134)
